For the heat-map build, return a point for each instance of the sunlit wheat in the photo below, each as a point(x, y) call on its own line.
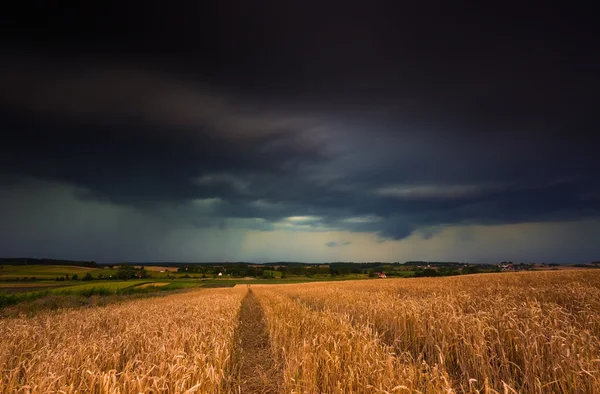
point(534, 332)
point(181, 343)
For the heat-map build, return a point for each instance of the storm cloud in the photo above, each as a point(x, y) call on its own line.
point(350, 133)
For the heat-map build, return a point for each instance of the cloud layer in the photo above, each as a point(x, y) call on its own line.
point(156, 143)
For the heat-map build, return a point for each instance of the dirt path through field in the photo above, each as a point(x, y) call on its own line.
point(258, 372)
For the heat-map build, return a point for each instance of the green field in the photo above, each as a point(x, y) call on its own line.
point(37, 283)
point(11, 294)
point(51, 272)
point(43, 294)
point(20, 283)
point(12, 272)
point(25, 287)
point(16, 292)
point(109, 286)
point(42, 271)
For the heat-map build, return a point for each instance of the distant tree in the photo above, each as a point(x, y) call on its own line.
point(448, 271)
point(267, 274)
point(427, 272)
point(75, 277)
point(87, 277)
point(470, 270)
point(125, 272)
point(143, 273)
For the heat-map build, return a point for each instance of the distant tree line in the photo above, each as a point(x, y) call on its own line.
point(32, 261)
point(124, 272)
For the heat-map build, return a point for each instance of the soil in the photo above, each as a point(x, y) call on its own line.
point(258, 370)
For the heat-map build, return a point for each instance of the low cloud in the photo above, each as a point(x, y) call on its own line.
point(240, 185)
point(433, 191)
point(333, 244)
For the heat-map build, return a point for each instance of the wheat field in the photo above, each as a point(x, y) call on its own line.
point(530, 332)
point(181, 343)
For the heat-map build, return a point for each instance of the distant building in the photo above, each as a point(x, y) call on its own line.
point(380, 275)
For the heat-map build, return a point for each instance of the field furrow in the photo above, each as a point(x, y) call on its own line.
point(256, 368)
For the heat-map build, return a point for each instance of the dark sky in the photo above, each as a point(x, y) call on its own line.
point(314, 131)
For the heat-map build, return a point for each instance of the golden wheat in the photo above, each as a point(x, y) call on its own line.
point(176, 344)
point(532, 332)
point(536, 332)
point(322, 352)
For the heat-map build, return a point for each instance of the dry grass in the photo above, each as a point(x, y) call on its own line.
point(522, 332)
point(176, 344)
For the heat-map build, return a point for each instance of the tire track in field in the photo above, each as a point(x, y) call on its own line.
point(258, 371)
